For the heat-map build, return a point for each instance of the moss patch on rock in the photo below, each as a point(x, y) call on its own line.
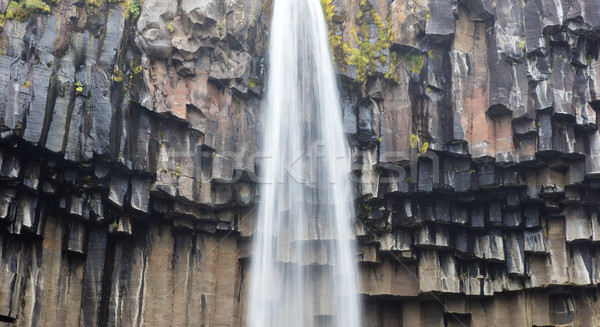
point(366, 50)
point(414, 62)
point(21, 10)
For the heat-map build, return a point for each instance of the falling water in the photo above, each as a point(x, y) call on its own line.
point(304, 267)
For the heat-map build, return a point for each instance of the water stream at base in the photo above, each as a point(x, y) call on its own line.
point(304, 269)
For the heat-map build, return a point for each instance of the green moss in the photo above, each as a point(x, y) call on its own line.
point(95, 3)
point(170, 27)
point(339, 48)
point(23, 9)
point(130, 8)
point(15, 10)
point(392, 74)
point(37, 6)
point(362, 52)
point(414, 63)
point(367, 55)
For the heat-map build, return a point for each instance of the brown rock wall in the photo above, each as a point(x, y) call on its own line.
point(128, 161)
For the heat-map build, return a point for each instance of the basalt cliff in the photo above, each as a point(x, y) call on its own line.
point(129, 159)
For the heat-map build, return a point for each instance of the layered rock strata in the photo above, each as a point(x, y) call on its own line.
point(129, 159)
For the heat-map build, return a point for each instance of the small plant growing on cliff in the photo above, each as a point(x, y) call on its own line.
point(170, 27)
point(37, 6)
point(414, 63)
point(366, 52)
point(78, 87)
point(221, 30)
point(134, 11)
point(367, 206)
point(22, 10)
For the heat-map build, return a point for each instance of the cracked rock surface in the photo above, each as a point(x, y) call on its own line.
point(129, 156)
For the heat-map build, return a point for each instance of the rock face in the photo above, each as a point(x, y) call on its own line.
point(129, 160)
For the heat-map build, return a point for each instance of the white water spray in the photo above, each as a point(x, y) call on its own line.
point(304, 264)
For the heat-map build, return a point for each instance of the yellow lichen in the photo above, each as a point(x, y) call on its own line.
point(138, 69)
point(118, 75)
point(414, 140)
point(78, 87)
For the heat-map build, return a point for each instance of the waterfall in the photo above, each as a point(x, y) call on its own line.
point(304, 270)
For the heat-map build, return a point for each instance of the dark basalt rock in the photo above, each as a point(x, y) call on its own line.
point(128, 150)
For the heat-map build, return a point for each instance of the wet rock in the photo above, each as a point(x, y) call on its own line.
point(477, 216)
point(408, 20)
point(592, 167)
point(221, 168)
point(32, 175)
point(577, 224)
point(500, 81)
point(561, 79)
point(509, 30)
point(37, 83)
point(535, 242)
point(26, 215)
point(75, 241)
point(118, 189)
point(538, 67)
point(149, 173)
point(140, 193)
point(585, 116)
point(367, 123)
point(6, 198)
point(534, 40)
point(78, 207)
point(542, 96)
point(102, 111)
point(512, 218)
point(515, 253)
point(93, 277)
point(155, 43)
point(439, 23)
point(11, 166)
point(394, 127)
point(552, 15)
